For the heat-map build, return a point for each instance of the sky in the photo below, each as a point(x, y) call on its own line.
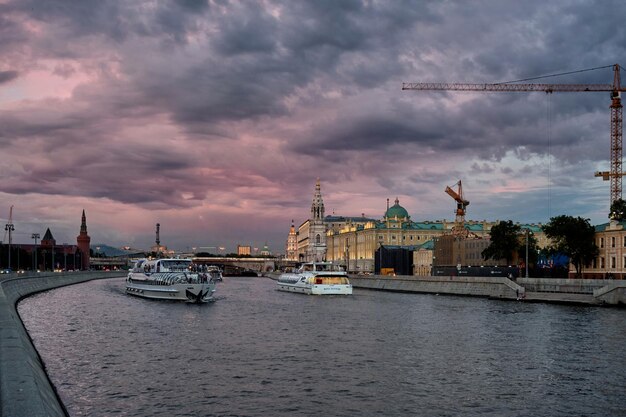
point(216, 118)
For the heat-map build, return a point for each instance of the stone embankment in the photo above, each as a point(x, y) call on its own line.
point(571, 291)
point(25, 389)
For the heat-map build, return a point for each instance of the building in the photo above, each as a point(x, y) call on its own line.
point(48, 255)
point(311, 236)
point(265, 251)
point(353, 241)
point(450, 250)
point(291, 247)
point(423, 259)
point(355, 245)
point(611, 261)
point(244, 250)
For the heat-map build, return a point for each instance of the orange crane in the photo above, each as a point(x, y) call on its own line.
point(615, 174)
point(461, 203)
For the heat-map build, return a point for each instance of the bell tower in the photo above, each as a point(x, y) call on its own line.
point(317, 228)
point(82, 241)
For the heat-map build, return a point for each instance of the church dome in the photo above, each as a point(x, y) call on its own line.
point(396, 211)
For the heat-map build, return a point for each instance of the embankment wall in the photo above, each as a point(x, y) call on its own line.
point(575, 291)
point(496, 287)
point(25, 390)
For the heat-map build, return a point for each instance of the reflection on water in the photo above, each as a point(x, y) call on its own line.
point(257, 352)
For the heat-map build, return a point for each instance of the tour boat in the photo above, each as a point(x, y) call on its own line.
point(173, 279)
point(317, 278)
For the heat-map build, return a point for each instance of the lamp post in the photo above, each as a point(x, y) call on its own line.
point(35, 236)
point(527, 231)
point(9, 228)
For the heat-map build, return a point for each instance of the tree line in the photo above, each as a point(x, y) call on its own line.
point(571, 236)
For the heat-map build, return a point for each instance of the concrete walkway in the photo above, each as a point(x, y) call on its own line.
point(25, 390)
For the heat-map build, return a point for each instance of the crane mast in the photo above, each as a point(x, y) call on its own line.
point(615, 174)
point(459, 229)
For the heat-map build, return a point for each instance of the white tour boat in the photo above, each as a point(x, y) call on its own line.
point(316, 278)
point(172, 279)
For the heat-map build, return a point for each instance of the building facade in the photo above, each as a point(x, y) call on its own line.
point(291, 247)
point(610, 238)
point(353, 241)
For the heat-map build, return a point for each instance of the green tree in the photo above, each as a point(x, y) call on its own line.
point(618, 210)
point(573, 237)
point(504, 241)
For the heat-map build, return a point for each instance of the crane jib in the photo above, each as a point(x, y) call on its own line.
point(548, 88)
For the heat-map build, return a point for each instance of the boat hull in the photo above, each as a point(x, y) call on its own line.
point(190, 293)
point(316, 289)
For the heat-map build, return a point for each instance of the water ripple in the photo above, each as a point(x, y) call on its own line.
point(257, 351)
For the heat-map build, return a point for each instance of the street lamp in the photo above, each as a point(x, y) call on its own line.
point(527, 231)
point(35, 236)
point(9, 228)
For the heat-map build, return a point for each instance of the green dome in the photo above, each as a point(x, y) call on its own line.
point(396, 211)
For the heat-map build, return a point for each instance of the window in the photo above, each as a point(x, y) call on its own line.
point(601, 242)
point(613, 262)
point(318, 239)
point(612, 241)
point(601, 262)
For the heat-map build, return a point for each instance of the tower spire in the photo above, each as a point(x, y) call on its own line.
point(83, 223)
point(82, 241)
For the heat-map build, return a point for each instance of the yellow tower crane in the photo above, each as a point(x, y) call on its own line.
point(615, 174)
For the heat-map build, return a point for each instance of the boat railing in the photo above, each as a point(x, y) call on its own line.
point(184, 278)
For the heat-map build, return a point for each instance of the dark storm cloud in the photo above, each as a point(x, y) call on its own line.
point(6, 76)
point(174, 103)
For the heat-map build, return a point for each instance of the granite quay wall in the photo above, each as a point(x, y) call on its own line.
point(564, 285)
point(495, 287)
point(25, 389)
point(613, 293)
point(569, 291)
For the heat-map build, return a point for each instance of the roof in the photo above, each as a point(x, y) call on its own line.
point(47, 235)
point(396, 211)
point(604, 226)
point(335, 219)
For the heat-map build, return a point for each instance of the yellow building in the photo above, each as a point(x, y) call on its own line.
point(611, 261)
point(243, 250)
point(356, 243)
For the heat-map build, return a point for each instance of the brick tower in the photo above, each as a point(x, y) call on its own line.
point(82, 241)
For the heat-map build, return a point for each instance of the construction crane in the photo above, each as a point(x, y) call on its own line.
point(459, 229)
point(615, 174)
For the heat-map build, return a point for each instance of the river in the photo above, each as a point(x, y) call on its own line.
point(260, 352)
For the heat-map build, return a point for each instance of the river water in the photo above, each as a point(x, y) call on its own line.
point(260, 352)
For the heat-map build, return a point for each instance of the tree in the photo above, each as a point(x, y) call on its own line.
point(618, 210)
point(573, 237)
point(504, 241)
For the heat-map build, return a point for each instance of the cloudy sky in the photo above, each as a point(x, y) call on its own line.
point(215, 118)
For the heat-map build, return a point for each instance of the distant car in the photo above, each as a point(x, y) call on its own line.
point(6, 271)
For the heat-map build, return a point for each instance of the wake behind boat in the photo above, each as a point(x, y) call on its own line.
point(172, 279)
point(316, 278)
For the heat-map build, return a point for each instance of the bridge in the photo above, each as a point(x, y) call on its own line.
point(237, 266)
point(230, 266)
